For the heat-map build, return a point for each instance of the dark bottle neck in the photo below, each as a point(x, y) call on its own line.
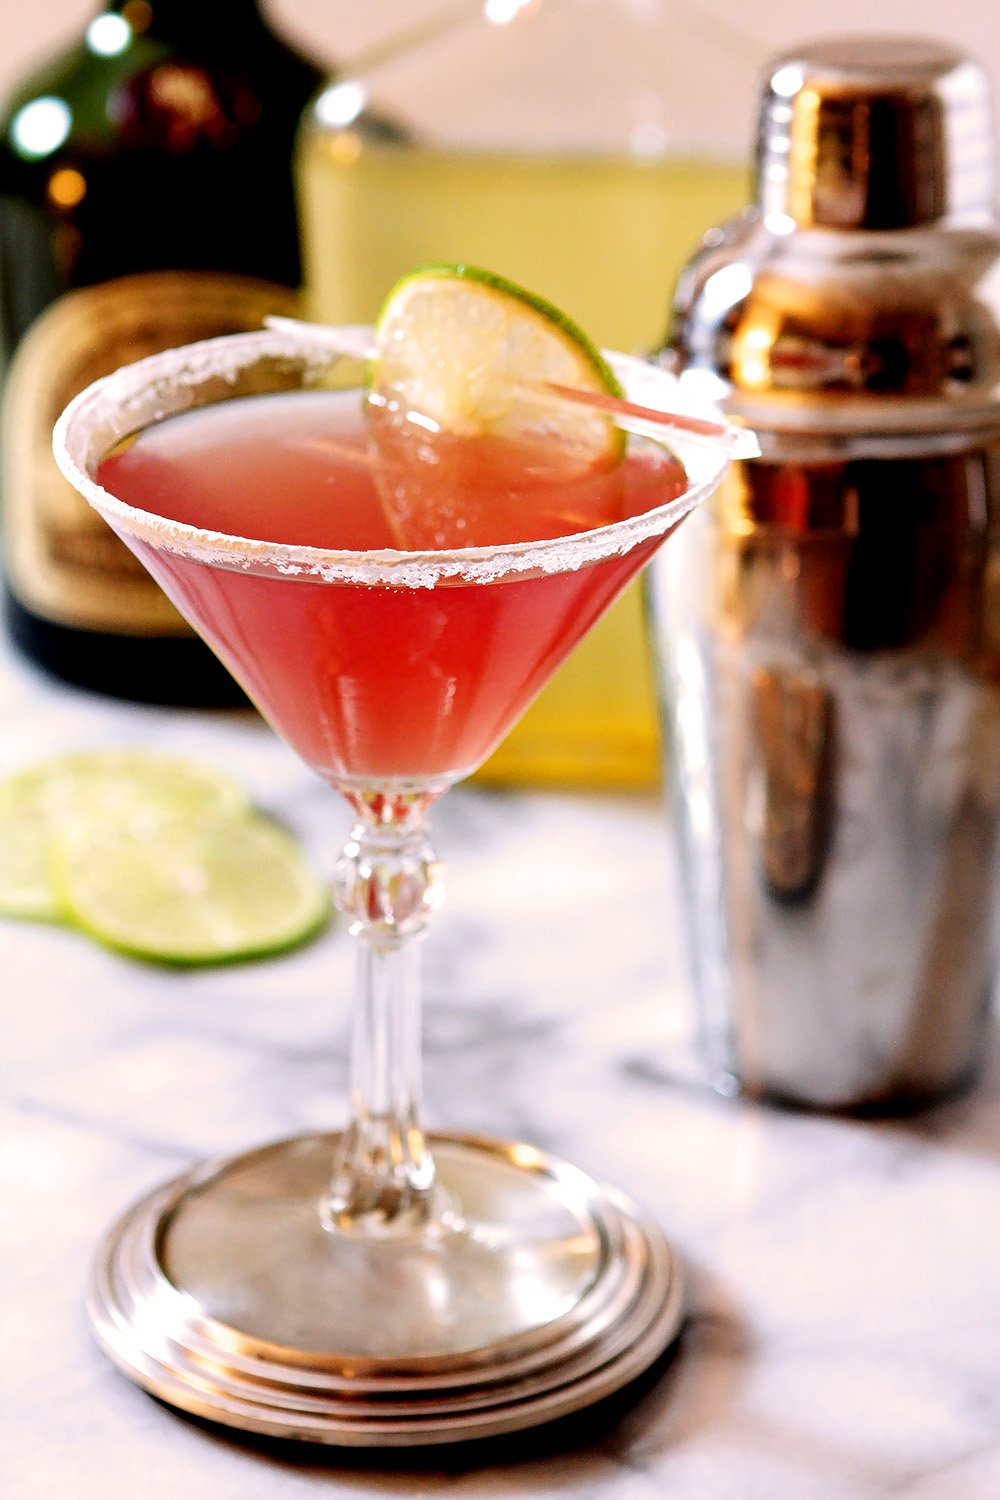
point(182, 22)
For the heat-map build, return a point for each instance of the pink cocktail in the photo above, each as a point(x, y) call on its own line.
point(373, 681)
point(392, 607)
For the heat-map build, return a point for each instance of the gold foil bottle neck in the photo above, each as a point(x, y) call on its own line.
point(875, 133)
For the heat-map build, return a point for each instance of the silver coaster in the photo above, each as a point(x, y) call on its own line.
point(224, 1294)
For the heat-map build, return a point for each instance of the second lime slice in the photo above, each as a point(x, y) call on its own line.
point(38, 803)
point(187, 891)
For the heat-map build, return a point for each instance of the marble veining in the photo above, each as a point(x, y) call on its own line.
point(843, 1337)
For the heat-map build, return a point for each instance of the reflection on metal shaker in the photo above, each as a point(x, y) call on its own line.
point(827, 628)
point(790, 713)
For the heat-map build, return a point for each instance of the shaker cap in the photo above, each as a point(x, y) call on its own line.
point(877, 133)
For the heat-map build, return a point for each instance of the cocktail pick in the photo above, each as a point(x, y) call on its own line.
point(637, 417)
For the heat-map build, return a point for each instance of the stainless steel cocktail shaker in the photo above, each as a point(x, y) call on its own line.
point(828, 628)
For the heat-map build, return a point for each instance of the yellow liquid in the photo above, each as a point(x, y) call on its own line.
point(604, 240)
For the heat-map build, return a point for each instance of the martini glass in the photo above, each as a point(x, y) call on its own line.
point(377, 1286)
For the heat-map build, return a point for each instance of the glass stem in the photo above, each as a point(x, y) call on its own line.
point(387, 882)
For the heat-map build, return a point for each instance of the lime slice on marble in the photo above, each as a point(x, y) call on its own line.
point(187, 890)
point(44, 800)
point(25, 836)
point(474, 354)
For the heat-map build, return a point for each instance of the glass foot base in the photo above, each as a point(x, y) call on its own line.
point(224, 1294)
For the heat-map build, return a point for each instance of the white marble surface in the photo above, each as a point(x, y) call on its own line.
point(843, 1339)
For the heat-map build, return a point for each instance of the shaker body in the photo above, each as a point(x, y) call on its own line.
point(828, 636)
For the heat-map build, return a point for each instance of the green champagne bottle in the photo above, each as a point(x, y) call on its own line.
point(146, 199)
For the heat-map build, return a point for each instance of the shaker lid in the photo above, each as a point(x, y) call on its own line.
point(861, 294)
point(870, 132)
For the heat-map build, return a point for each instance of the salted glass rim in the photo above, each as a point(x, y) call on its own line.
point(166, 384)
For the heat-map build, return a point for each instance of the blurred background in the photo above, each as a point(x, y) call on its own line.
point(334, 29)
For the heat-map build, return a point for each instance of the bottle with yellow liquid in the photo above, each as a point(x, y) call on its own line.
point(575, 146)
